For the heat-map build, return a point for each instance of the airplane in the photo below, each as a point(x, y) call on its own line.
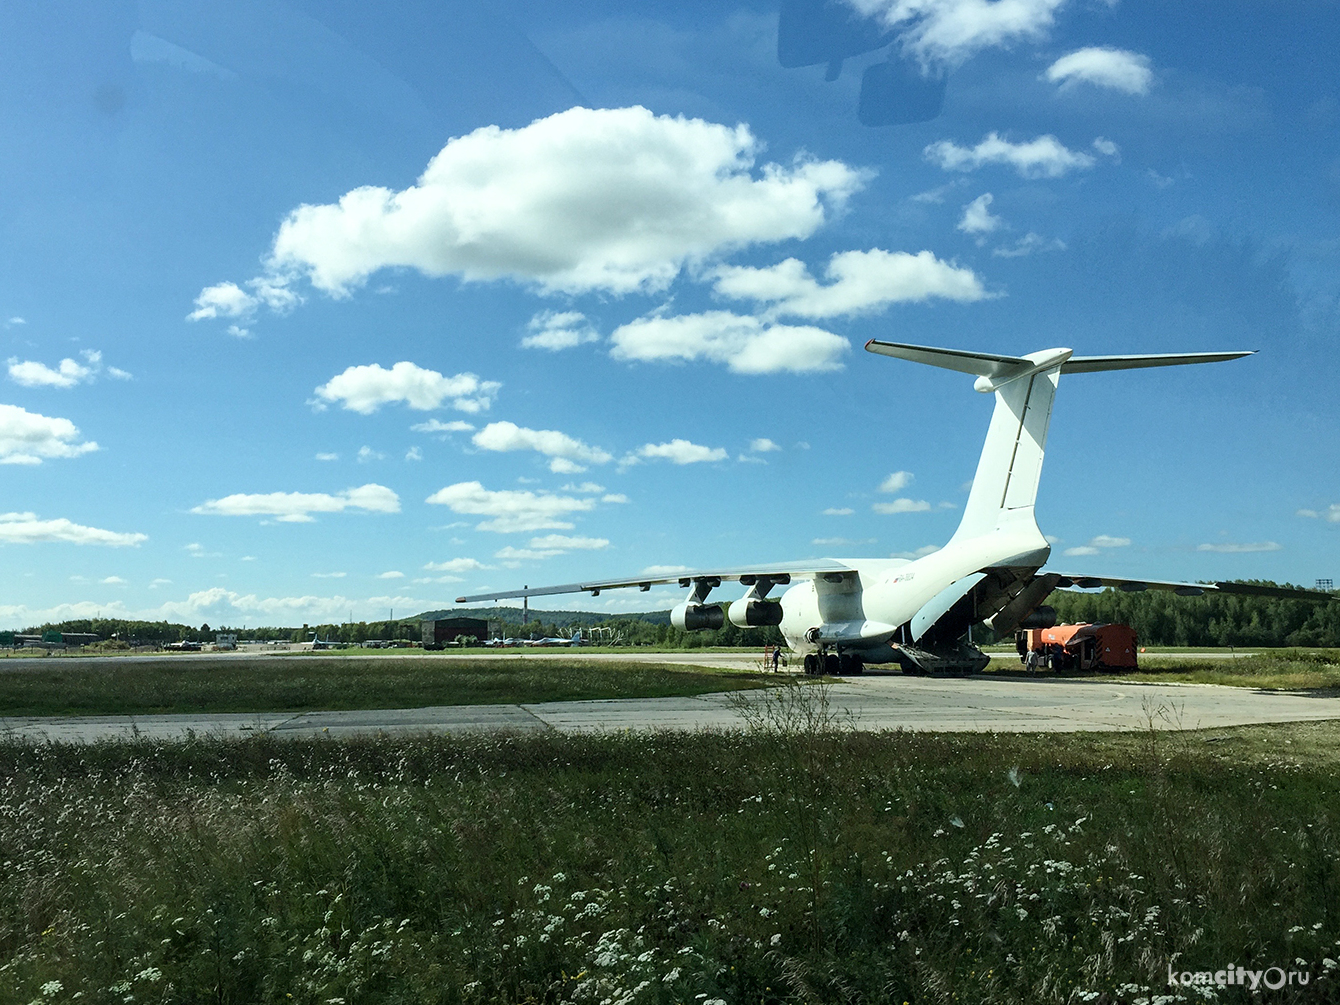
point(842, 614)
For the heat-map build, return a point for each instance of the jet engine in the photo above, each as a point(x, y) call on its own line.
point(697, 617)
point(751, 612)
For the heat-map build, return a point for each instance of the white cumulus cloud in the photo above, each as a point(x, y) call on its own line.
point(28, 437)
point(612, 199)
point(951, 31)
point(763, 445)
point(1118, 69)
point(677, 451)
point(228, 300)
point(27, 528)
point(510, 510)
point(566, 454)
point(298, 507)
point(364, 389)
point(745, 344)
point(1043, 157)
point(839, 511)
point(896, 482)
point(556, 330)
point(67, 373)
point(977, 219)
point(858, 282)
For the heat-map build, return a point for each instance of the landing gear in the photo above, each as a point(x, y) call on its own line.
point(850, 664)
point(834, 664)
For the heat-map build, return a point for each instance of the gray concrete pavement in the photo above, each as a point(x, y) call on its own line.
point(873, 702)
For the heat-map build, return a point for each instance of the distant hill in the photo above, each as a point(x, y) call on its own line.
point(561, 619)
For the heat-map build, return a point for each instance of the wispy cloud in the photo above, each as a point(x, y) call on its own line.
point(1118, 69)
point(28, 528)
point(1238, 549)
point(298, 507)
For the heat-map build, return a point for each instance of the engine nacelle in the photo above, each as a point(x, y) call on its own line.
point(697, 617)
point(1042, 617)
point(748, 612)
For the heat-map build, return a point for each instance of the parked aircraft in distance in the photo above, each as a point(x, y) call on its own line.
point(841, 614)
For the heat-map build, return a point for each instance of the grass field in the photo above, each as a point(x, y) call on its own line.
point(286, 683)
point(789, 863)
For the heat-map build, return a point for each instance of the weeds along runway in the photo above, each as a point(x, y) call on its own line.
point(872, 702)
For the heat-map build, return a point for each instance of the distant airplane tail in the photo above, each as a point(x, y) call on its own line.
point(1006, 484)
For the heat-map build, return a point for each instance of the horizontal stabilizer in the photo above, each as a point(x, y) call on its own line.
point(983, 364)
point(1003, 368)
point(1092, 364)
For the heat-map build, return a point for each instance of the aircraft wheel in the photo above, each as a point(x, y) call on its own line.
point(833, 665)
point(811, 665)
point(849, 664)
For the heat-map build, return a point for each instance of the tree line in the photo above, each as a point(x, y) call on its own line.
point(1161, 618)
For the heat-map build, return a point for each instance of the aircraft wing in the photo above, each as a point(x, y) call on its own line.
point(779, 573)
point(1069, 581)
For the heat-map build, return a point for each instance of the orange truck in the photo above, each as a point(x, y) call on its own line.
point(1078, 647)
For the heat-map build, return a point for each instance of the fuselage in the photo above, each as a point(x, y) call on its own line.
point(881, 601)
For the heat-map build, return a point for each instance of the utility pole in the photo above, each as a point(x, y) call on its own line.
point(525, 605)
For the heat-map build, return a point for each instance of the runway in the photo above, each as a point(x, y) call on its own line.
point(872, 703)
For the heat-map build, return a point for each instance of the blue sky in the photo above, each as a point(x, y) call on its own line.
point(314, 311)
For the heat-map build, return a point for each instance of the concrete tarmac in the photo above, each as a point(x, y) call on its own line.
point(872, 702)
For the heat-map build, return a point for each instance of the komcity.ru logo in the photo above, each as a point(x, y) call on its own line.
point(1272, 978)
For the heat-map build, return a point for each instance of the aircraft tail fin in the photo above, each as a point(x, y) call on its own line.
point(1005, 486)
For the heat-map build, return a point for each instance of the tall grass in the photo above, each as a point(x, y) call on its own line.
point(795, 862)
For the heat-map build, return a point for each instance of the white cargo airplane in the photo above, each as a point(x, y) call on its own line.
point(844, 613)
